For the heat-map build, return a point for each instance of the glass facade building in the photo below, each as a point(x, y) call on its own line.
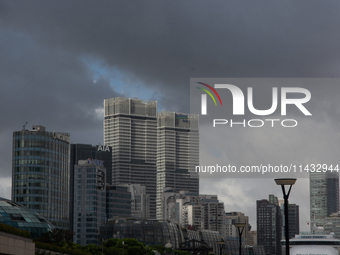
point(41, 173)
point(332, 224)
point(89, 201)
point(153, 232)
point(130, 127)
point(19, 216)
point(177, 154)
point(294, 220)
point(84, 152)
point(118, 201)
point(324, 195)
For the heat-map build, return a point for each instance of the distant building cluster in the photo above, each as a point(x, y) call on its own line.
point(144, 173)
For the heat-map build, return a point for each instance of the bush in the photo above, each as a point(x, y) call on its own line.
point(54, 248)
point(15, 231)
point(57, 236)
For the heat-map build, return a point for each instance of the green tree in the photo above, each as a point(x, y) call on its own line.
point(57, 236)
point(93, 249)
point(113, 251)
point(135, 250)
point(111, 242)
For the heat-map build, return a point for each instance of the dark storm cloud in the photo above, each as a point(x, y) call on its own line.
point(161, 44)
point(49, 87)
point(46, 84)
point(164, 43)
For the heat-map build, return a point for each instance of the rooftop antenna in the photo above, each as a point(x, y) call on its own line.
point(23, 127)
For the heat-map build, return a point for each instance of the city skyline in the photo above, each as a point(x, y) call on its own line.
point(60, 60)
point(226, 208)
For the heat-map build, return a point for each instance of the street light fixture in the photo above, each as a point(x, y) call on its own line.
point(220, 244)
point(283, 182)
point(123, 247)
point(239, 226)
point(168, 246)
point(102, 246)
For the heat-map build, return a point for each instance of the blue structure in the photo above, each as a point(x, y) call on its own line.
point(19, 216)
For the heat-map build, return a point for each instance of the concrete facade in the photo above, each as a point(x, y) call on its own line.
point(130, 127)
point(16, 245)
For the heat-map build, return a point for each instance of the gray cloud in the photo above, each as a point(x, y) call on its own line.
point(163, 44)
point(48, 87)
point(160, 45)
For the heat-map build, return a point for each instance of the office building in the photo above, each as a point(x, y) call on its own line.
point(140, 201)
point(89, 201)
point(173, 202)
point(269, 224)
point(332, 224)
point(118, 201)
point(191, 209)
point(236, 217)
point(130, 127)
point(177, 153)
point(41, 173)
point(213, 216)
point(324, 195)
point(252, 238)
point(294, 221)
point(99, 152)
point(84, 152)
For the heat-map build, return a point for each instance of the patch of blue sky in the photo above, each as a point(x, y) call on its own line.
point(127, 85)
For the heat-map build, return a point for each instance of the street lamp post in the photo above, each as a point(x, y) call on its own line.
point(102, 246)
point(220, 244)
point(283, 182)
point(168, 246)
point(123, 247)
point(239, 226)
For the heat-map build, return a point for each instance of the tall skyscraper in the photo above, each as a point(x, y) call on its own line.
point(324, 195)
point(130, 127)
point(293, 218)
point(269, 224)
point(41, 173)
point(177, 154)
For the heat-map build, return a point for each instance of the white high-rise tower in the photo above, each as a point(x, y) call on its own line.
point(177, 154)
point(130, 127)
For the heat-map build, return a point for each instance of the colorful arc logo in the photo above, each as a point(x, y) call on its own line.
point(204, 97)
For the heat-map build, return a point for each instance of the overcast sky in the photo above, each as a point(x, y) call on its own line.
point(60, 59)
